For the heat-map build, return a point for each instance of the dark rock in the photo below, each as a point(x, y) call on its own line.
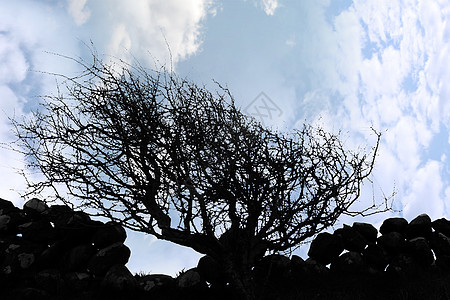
point(394, 225)
point(403, 263)
point(20, 256)
point(50, 281)
point(419, 227)
point(105, 258)
point(440, 244)
point(51, 257)
point(353, 240)
point(119, 279)
point(368, 231)
point(28, 293)
point(10, 221)
point(77, 258)
point(76, 227)
point(4, 222)
point(349, 263)
point(376, 257)
point(40, 231)
point(190, 279)
point(273, 268)
point(442, 225)
point(210, 270)
point(54, 212)
point(109, 234)
point(314, 267)
point(155, 281)
point(78, 281)
point(5, 206)
point(35, 208)
point(393, 242)
point(298, 267)
point(421, 251)
point(443, 262)
point(326, 247)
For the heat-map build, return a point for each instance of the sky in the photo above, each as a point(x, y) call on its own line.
point(345, 65)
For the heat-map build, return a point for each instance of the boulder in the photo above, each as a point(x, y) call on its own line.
point(35, 208)
point(210, 270)
point(403, 263)
point(375, 257)
point(326, 247)
point(76, 227)
point(28, 293)
point(349, 263)
point(21, 256)
point(314, 267)
point(393, 242)
point(298, 267)
point(421, 251)
point(440, 243)
point(441, 225)
point(368, 231)
point(78, 257)
point(78, 281)
point(50, 281)
point(4, 222)
point(13, 218)
point(55, 211)
point(190, 279)
point(419, 227)
point(105, 258)
point(119, 279)
point(51, 257)
point(155, 281)
point(353, 240)
point(5, 206)
point(274, 268)
point(394, 225)
point(109, 234)
point(443, 262)
point(40, 231)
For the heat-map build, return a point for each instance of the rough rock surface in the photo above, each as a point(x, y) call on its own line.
point(394, 225)
point(45, 252)
point(326, 247)
point(52, 252)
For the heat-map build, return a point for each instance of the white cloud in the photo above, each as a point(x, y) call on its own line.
point(30, 29)
point(425, 192)
point(79, 11)
point(385, 59)
point(148, 30)
point(13, 65)
point(270, 6)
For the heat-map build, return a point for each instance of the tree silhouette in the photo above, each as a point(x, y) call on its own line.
point(163, 156)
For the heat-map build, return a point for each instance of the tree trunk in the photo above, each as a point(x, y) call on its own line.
point(240, 277)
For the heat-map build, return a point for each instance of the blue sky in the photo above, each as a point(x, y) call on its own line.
point(347, 65)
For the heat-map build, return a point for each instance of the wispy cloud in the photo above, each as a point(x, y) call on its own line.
point(270, 6)
point(79, 11)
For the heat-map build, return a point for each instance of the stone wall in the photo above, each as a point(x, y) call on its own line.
point(53, 252)
point(47, 251)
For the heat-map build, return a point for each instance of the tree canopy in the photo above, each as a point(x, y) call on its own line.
point(162, 155)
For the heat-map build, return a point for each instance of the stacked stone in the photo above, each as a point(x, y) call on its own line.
point(49, 250)
point(418, 246)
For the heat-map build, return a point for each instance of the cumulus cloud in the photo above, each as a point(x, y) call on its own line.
point(150, 30)
point(401, 87)
point(425, 192)
point(30, 30)
point(380, 63)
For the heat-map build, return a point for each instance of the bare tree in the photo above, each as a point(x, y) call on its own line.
point(163, 156)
